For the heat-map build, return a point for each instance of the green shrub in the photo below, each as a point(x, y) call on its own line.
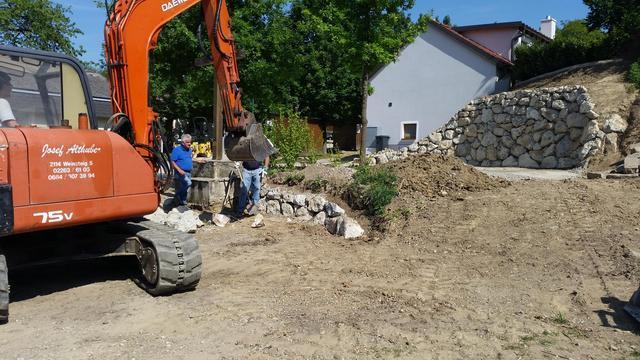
point(574, 44)
point(316, 185)
point(634, 74)
point(372, 189)
point(294, 179)
point(291, 136)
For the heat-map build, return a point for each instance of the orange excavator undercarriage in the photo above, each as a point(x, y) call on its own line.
point(70, 190)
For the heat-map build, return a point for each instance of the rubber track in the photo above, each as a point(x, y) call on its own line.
point(179, 258)
point(4, 290)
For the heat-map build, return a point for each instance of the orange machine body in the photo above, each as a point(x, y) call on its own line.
point(63, 177)
point(53, 176)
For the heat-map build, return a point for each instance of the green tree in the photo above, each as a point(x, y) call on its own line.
point(447, 20)
point(179, 88)
point(620, 18)
point(38, 24)
point(268, 51)
point(574, 44)
point(378, 30)
point(328, 82)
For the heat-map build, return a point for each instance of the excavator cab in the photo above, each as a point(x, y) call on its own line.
point(46, 91)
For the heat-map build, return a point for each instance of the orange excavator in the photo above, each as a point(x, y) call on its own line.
point(69, 190)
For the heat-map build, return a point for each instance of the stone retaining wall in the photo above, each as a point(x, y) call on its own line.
point(309, 208)
point(542, 128)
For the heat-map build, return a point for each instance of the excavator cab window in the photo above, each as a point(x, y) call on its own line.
point(45, 93)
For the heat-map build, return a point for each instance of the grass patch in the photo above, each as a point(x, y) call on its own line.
point(294, 179)
point(560, 319)
point(634, 74)
point(372, 189)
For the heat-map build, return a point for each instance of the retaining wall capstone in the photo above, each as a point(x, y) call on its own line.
point(542, 128)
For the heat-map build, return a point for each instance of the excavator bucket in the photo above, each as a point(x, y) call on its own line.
point(253, 146)
point(633, 306)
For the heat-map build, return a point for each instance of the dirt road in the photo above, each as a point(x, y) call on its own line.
point(533, 270)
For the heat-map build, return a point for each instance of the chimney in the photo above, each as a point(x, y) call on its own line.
point(548, 27)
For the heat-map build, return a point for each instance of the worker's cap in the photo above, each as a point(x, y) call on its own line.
point(4, 79)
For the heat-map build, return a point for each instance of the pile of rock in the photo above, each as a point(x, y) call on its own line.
point(309, 208)
point(180, 218)
point(541, 128)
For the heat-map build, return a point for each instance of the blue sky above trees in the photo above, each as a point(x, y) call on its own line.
point(462, 12)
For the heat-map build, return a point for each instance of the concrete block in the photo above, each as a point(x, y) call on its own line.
point(207, 168)
point(211, 191)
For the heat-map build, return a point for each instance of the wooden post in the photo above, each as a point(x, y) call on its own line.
point(218, 121)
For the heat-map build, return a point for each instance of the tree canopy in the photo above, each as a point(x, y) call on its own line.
point(574, 44)
point(620, 18)
point(38, 24)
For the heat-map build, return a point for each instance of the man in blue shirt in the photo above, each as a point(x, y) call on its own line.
point(182, 162)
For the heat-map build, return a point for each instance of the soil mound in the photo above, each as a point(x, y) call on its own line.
point(437, 175)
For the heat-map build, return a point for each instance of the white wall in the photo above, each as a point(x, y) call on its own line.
point(432, 79)
point(498, 40)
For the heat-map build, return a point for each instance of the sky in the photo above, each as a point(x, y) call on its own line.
point(462, 12)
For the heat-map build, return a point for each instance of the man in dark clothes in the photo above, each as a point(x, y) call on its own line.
point(251, 182)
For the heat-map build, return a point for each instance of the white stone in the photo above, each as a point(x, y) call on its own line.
point(558, 104)
point(449, 134)
point(287, 210)
point(350, 229)
point(320, 218)
point(273, 195)
point(273, 207)
point(615, 123)
point(159, 216)
point(382, 159)
point(434, 137)
point(316, 203)
point(611, 142)
point(632, 163)
point(303, 214)
point(333, 210)
point(300, 200)
point(585, 107)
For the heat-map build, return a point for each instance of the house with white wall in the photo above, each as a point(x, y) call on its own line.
point(432, 79)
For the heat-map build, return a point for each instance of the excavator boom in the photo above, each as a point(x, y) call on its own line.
point(131, 33)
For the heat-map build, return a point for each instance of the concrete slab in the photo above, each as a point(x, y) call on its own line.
point(520, 174)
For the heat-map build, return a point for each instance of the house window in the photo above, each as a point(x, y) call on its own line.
point(409, 131)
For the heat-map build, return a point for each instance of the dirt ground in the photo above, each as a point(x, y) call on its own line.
point(531, 270)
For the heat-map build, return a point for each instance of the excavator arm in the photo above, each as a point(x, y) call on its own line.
point(131, 34)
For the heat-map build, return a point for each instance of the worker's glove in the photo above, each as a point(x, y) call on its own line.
point(264, 171)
